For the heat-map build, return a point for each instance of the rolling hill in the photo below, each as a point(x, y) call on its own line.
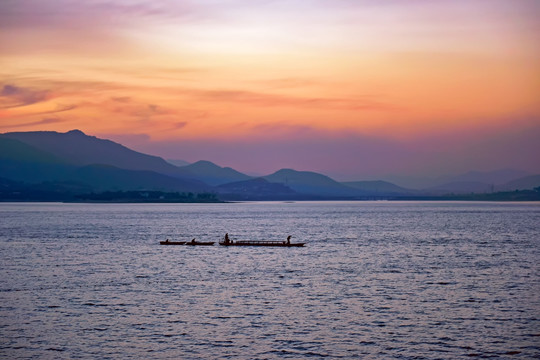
point(24, 163)
point(212, 174)
point(311, 183)
point(79, 149)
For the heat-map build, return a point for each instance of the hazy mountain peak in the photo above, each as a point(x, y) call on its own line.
point(208, 165)
point(204, 164)
point(76, 132)
point(292, 172)
point(213, 174)
point(292, 175)
point(307, 182)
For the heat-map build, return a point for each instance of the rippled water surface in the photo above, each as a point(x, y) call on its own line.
point(410, 280)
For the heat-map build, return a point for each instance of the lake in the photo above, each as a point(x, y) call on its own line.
point(394, 280)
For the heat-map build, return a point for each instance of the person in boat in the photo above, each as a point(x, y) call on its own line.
point(193, 241)
point(227, 241)
point(167, 240)
point(289, 240)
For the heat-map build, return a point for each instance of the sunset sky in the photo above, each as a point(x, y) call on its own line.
point(355, 89)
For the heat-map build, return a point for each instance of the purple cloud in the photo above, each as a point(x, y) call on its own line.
point(180, 124)
point(14, 96)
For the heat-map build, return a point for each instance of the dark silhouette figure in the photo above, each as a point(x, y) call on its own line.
point(227, 241)
point(193, 241)
point(289, 240)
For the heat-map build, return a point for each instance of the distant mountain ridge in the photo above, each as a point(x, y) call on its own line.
point(78, 162)
point(20, 161)
point(79, 149)
point(76, 148)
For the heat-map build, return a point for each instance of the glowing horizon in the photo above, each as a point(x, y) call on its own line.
point(424, 87)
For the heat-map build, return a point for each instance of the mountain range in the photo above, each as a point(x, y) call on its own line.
point(76, 163)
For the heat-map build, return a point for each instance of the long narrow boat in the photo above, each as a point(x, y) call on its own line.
point(227, 242)
point(167, 242)
point(260, 243)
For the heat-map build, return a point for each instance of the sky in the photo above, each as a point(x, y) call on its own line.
point(354, 89)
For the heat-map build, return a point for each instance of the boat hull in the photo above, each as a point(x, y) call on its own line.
point(172, 242)
point(262, 243)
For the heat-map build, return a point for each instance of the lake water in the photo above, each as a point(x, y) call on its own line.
point(407, 280)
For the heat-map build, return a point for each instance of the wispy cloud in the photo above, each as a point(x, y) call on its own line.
point(14, 96)
point(45, 121)
point(130, 107)
point(59, 108)
point(367, 102)
point(180, 124)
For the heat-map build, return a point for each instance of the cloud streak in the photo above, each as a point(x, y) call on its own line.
point(45, 121)
point(366, 103)
point(12, 96)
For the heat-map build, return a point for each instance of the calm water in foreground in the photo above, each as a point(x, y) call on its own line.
point(409, 280)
